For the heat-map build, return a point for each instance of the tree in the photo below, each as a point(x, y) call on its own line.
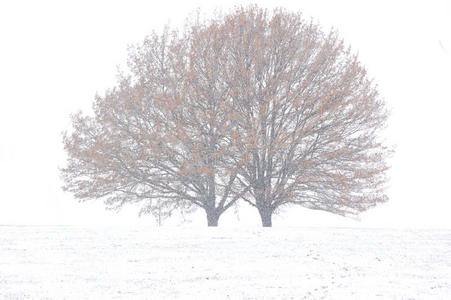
point(252, 105)
point(309, 117)
point(160, 137)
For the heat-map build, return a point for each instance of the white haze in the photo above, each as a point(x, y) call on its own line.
point(55, 55)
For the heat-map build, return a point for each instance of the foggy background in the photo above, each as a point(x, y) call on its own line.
point(55, 55)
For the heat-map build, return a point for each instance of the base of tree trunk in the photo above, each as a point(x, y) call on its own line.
point(213, 223)
point(212, 220)
point(266, 217)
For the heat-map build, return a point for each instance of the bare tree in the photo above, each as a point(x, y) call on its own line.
point(309, 117)
point(161, 137)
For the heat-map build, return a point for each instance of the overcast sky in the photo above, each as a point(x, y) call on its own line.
point(55, 55)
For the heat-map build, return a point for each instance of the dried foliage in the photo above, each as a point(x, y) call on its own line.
point(252, 105)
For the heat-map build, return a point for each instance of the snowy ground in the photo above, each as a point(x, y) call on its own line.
point(63, 262)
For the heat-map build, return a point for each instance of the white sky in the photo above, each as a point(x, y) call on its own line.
point(55, 55)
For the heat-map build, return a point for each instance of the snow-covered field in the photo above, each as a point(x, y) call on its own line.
point(64, 262)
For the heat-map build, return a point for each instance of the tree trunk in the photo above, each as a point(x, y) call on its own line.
point(266, 215)
point(212, 218)
point(212, 213)
point(263, 207)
